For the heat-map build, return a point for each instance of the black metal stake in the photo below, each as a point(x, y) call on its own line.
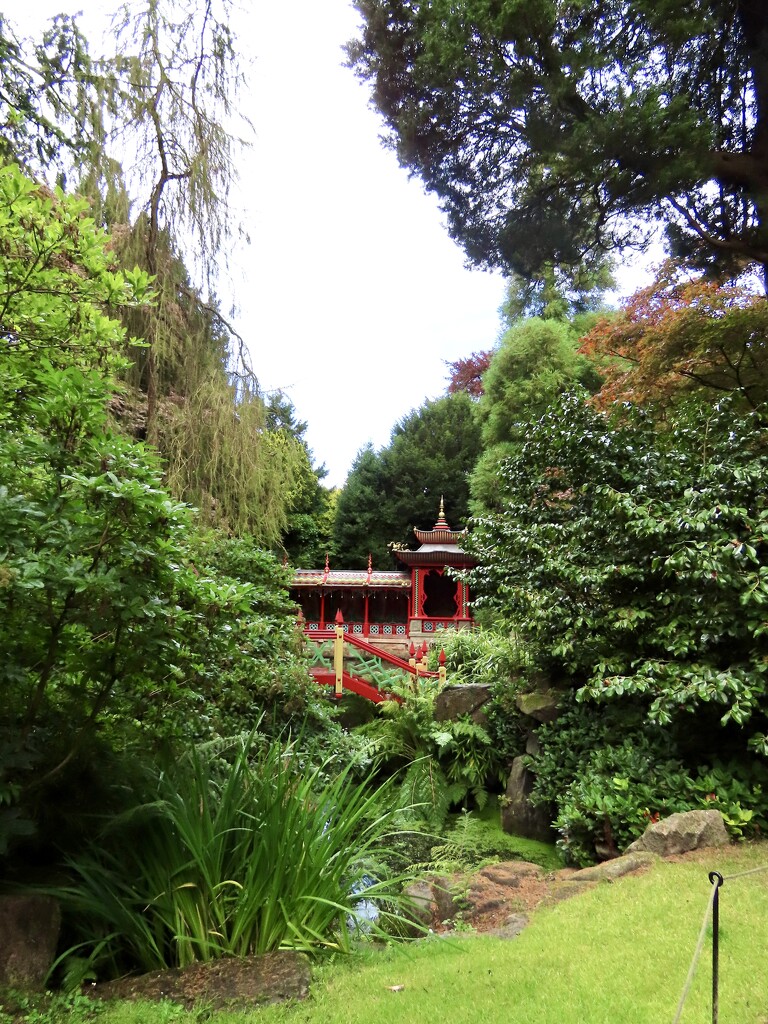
point(717, 880)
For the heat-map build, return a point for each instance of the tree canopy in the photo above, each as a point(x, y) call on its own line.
point(467, 374)
point(154, 156)
point(558, 132)
point(535, 362)
point(631, 557)
point(681, 335)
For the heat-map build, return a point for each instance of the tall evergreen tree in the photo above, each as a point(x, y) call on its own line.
point(431, 454)
point(558, 132)
point(536, 361)
point(307, 538)
point(359, 529)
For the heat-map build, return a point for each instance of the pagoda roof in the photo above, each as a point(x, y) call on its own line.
point(352, 578)
point(436, 556)
point(444, 537)
point(439, 546)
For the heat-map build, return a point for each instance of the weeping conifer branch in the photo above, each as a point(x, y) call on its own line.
point(176, 78)
point(165, 105)
point(222, 458)
point(155, 155)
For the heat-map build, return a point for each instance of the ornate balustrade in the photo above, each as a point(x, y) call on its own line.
point(381, 630)
point(434, 625)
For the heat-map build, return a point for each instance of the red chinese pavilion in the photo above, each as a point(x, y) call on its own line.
point(393, 609)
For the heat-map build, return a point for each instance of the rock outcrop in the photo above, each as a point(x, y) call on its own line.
point(467, 699)
point(518, 815)
point(541, 705)
point(609, 870)
point(231, 983)
point(680, 833)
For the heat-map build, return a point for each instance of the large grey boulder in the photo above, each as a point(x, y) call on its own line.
point(518, 816)
point(29, 933)
point(467, 699)
point(682, 832)
point(541, 705)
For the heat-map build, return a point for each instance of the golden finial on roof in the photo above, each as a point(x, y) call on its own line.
point(442, 522)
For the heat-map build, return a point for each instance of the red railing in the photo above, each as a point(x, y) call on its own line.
point(340, 679)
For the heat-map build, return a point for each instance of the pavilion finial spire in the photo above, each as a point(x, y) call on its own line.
point(442, 522)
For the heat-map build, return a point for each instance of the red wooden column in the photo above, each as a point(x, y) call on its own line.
point(366, 593)
point(322, 591)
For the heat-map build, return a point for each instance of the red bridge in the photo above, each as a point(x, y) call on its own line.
point(381, 667)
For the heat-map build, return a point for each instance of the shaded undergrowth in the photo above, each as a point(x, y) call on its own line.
point(230, 852)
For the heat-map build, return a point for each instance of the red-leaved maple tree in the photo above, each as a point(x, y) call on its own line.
point(467, 374)
point(683, 334)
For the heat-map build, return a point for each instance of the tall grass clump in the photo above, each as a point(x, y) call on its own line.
point(232, 857)
point(481, 655)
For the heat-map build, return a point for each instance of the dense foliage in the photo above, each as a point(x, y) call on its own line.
point(128, 638)
point(557, 132)
point(439, 765)
point(229, 852)
point(606, 774)
point(630, 555)
point(495, 658)
point(119, 628)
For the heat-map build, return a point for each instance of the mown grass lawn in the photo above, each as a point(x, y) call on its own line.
point(619, 953)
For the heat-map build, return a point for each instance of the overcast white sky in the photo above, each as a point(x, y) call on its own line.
point(351, 295)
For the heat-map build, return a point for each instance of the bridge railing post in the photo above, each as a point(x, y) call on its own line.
point(421, 664)
point(338, 656)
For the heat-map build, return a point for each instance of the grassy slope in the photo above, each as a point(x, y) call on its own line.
point(619, 953)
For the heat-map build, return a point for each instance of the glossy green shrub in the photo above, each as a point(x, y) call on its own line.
point(606, 774)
